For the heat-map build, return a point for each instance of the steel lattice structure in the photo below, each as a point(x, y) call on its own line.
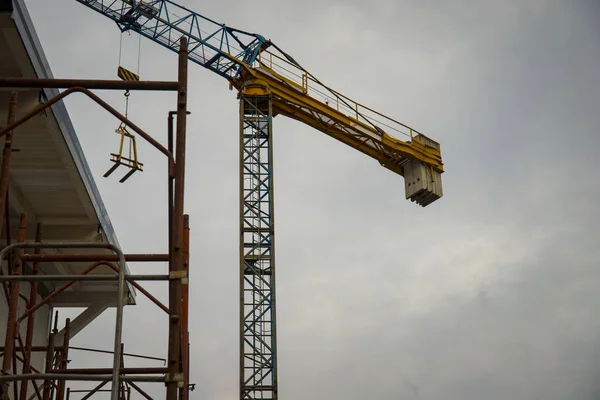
point(219, 48)
point(258, 362)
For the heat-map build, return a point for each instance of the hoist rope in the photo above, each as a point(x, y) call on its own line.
point(120, 47)
point(139, 53)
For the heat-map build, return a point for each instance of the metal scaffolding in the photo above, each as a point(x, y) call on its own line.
point(15, 382)
point(258, 361)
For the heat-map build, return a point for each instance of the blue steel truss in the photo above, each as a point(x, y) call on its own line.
point(217, 47)
point(258, 344)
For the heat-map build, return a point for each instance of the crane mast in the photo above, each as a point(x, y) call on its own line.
point(258, 344)
point(270, 83)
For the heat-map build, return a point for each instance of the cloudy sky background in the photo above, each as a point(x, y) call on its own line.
point(491, 292)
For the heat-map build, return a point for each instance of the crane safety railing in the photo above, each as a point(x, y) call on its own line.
point(303, 80)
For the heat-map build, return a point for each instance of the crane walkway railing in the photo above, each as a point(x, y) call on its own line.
point(302, 80)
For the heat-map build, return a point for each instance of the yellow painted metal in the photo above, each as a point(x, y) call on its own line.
point(255, 87)
point(295, 94)
point(131, 162)
point(127, 75)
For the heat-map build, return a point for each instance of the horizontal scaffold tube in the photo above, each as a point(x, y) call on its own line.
point(32, 278)
point(93, 257)
point(88, 84)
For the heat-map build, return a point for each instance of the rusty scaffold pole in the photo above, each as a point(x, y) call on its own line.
point(49, 361)
point(174, 379)
point(33, 292)
point(11, 323)
point(64, 358)
point(185, 361)
point(6, 155)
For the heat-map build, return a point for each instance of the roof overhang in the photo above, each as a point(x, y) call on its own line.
point(50, 180)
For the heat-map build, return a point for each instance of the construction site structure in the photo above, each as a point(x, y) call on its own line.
point(269, 82)
point(59, 246)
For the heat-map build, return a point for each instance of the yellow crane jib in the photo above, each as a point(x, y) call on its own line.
point(127, 75)
point(129, 162)
point(417, 158)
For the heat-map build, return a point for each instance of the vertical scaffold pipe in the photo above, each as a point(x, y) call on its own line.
point(11, 322)
point(31, 319)
point(64, 358)
point(174, 377)
point(6, 155)
point(49, 364)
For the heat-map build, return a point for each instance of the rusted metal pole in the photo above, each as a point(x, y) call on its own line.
point(79, 277)
point(170, 189)
point(4, 178)
point(150, 296)
point(170, 147)
point(36, 388)
point(174, 378)
point(88, 84)
point(144, 291)
point(45, 349)
point(33, 369)
point(14, 368)
point(33, 349)
point(79, 377)
point(101, 371)
point(64, 359)
point(22, 360)
point(5, 285)
point(6, 154)
point(184, 392)
point(17, 358)
point(31, 320)
point(116, 376)
point(170, 178)
point(93, 257)
point(121, 366)
point(50, 360)
point(11, 322)
point(58, 291)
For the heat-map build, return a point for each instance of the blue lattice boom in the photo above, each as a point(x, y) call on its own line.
point(215, 46)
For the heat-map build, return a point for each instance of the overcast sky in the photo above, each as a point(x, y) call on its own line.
point(490, 293)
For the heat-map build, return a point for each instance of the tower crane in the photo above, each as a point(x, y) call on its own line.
point(269, 83)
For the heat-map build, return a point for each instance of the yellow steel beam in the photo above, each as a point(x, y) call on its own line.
point(292, 100)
